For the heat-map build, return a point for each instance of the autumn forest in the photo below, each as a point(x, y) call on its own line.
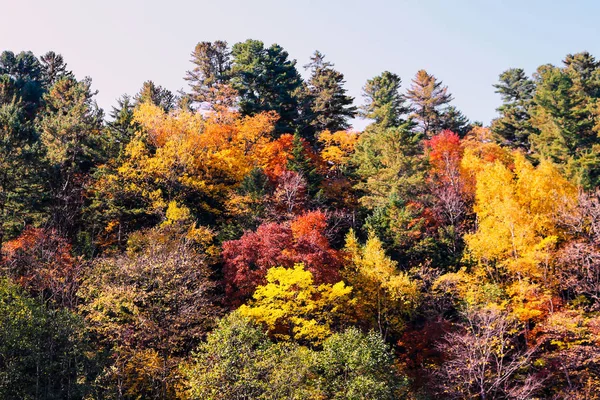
point(239, 240)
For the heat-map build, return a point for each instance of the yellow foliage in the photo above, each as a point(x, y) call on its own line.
point(293, 307)
point(180, 155)
point(338, 147)
point(516, 213)
point(383, 293)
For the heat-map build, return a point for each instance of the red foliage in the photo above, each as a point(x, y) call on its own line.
point(40, 260)
point(445, 153)
point(248, 259)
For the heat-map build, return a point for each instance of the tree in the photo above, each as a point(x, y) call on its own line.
point(428, 98)
point(385, 296)
point(149, 307)
point(518, 218)
point(353, 365)
point(301, 163)
point(293, 307)
point(54, 68)
point(25, 74)
point(330, 106)
point(70, 126)
point(181, 157)
point(453, 120)
point(266, 81)
point(41, 262)
point(484, 360)
point(211, 68)
point(383, 101)
point(43, 351)
point(20, 186)
point(238, 361)
point(390, 163)
point(248, 259)
point(516, 91)
point(157, 95)
point(451, 202)
point(231, 363)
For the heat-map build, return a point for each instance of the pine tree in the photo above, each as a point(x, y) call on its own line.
point(517, 93)
point(383, 101)
point(330, 106)
point(302, 164)
point(454, 120)
point(157, 95)
point(266, 81)
point(211, 68)
point(428, 98)
point(70, 132)
point(53, 68)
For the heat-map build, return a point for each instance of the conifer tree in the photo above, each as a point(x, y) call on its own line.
point(383, 101)
point(266, 81)
point(211, 68)
point(517, 91)
point(428, 98)
point(330, 106)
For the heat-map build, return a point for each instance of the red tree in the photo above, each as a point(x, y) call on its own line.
point(40, 260)
point(247, 260)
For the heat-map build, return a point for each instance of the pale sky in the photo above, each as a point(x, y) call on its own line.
point(465, 43)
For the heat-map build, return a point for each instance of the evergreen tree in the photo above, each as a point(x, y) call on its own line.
point(53, 68)
point(330, 107)
point(454, 120)
point(383, 101)
point(428, 98)
point(517, 91)
point(302, 164)
point(390, 164)
point(211, 67)
point(266, 81)
point(157, 95)
point(21, 193)
point(70, 132)
point(26, 80)
point(121, 129)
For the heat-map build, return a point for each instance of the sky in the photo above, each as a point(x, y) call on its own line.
point(464, 43)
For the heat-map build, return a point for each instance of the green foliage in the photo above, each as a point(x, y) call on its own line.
point(330, 106)
point(266, 81)
point(517, 93)
point(43, 352)
point(238, 361)
point(383, 101)
point(389, 163)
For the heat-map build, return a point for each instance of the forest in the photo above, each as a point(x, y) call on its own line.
point(238, 240)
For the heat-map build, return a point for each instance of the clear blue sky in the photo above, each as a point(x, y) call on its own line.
point(465, 43)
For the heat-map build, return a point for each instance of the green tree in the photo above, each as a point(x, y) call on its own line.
point(357, 366)
point(564, 118)
point(157, 95)
point(54, 68)
point(517, 91)
point(301, 163)
point(383, 101)
point(70, 132)
point(454, 120)
point(43, 352)
point(390, 164)
point(266, 81)
point(330, 106)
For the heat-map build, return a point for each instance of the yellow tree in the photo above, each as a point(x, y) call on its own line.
point(517, 217)
point(293, 307)
point(181, 156)
point(385, 296)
